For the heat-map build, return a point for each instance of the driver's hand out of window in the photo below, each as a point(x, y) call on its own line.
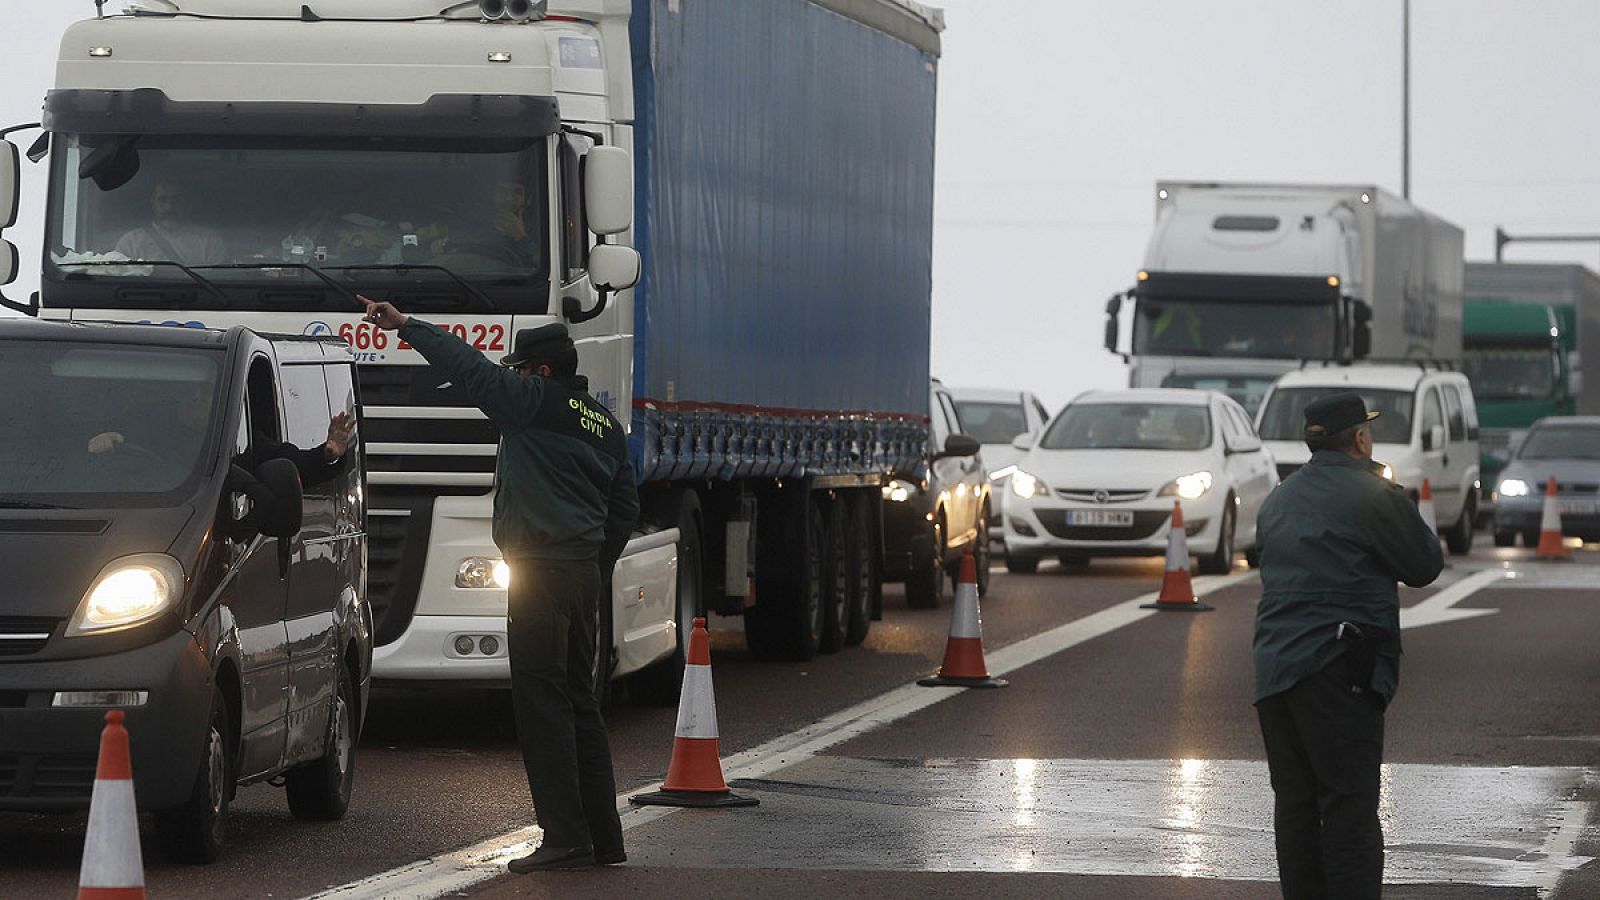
point(105, 442)
point(340, 428)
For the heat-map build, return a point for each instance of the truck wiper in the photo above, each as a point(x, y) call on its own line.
point(401, 267)
point(187, 270)
point(348, 292)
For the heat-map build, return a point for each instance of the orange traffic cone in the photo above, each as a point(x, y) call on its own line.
point(1177, 591)
point(694, 776)
point(963, 652)
point(1425, 507)
point(112, 868)
point(1551, 546)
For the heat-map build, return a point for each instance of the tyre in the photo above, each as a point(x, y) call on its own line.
point(1459, 538)
point(860, 572)
point(1530, 538)
point(980, 553)
point(659, 684)
point(835, 578)
point(1505, 538)
point(925, 583)
point(786, 622)
point(319, 791)
point(1021, 565)
point(193, 832)
point(1220, 561)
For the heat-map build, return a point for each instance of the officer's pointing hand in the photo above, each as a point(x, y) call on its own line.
point(383, 314)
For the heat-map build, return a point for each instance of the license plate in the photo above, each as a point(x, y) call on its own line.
point(1118, 518)
point(1579, 507)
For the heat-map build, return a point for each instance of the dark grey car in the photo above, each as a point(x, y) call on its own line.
point(1566, 448)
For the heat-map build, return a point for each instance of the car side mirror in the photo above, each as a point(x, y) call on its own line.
point(612, 267)
point(961, 445)
point(1024, 441)
point(1433, 438)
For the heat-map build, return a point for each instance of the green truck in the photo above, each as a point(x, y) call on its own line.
point(1526, 328)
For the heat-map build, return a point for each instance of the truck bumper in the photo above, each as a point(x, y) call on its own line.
point(48, 753)
point(428, 652)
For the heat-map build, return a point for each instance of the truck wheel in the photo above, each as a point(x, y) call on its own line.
point(319, 791)
point(659, 684)
point(925, 582)
point(1530, 538)
point(1220, 561)
point(192, 833)
point(835, 578)
point(786, 622)
point(1505, 538)
point(1021, 565)
point(860, 572)
point(1459, 537)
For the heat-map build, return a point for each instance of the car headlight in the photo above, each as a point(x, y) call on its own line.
point(899, 491)
point(1513, 487)
point(129, 591)
point(1026, 486)
point(1187, 487)
point(483, 572)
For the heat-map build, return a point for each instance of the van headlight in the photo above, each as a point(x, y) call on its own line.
point(129, 591)
point(1187, 487)
point(1026, 486)
point(1513, 487)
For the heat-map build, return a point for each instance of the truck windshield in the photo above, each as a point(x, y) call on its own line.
point(1284, 419)
point(1130, 426)
point(1510, 374)
point(102, 425)
point(443, 224)
point(1243, 329)
point(992, 423)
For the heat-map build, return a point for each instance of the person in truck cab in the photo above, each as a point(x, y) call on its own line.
point(564, 505)
point(170, 235)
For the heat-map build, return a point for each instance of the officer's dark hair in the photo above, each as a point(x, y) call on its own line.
point(1341, 440)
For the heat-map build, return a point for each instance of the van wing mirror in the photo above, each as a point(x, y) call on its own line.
point(1433, 438)
point(608, 190)
point(961, 445)
point(281, 515)
point(1024, 441)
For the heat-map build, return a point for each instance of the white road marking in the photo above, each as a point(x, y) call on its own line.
point(1438, 607)
point(441, 875)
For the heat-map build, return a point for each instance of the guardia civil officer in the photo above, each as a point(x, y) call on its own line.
point(564, 505)
point(1335, 537)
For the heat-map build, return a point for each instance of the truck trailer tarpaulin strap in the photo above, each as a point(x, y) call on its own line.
point(151, 111)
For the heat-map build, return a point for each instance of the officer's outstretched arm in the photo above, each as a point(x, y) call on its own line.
point(504, 396)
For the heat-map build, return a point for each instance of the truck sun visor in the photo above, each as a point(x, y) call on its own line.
point(151, 111)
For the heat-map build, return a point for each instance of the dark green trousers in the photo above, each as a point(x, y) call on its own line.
point(550, 630)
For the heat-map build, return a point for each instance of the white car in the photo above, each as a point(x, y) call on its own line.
point(1427, 427)
point(1102, 478)
point(996, 417)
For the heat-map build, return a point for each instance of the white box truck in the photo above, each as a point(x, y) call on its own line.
point(1242, 281)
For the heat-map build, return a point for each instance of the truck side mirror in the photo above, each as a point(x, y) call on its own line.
point(1113, 309)
point(612, 267)
point(8, 262)
point(608, 190)
point(1361, 330)
point(10, 185)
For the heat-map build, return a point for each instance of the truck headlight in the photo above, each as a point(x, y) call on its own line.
point(899, 491)
point(1187, 487)
point(1513, 487)
point(1026, 486)
point(483, 572)
point(129, 591)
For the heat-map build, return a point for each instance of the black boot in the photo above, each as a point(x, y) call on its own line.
point(553, 858)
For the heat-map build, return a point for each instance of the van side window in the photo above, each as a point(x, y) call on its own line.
point(305, 403)
point(1458, 419)
point(241, 441)
point(263, 404)
point(1432, 414)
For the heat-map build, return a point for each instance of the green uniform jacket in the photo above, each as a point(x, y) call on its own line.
point(563, 485)
point(1335, 537)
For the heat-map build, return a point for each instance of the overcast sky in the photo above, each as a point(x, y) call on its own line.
point(1056, 119)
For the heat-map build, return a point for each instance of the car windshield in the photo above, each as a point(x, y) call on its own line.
point(1130, 426)
point(1284, 419)
point(1240, 329)
point(102, 425)
point(149, 221)
point(1512, 374)
point(1562, 442)
point(992, 423)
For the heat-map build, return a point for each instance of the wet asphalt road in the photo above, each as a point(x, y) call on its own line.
point(440, 770)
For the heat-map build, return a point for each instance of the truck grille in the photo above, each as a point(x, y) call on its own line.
point(423, 434)
point(20, 636)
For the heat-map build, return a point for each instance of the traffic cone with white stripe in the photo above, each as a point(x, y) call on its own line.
point(1551, 546)
point(1177, 590)
point(963, 652)
point(694, 776)
point(112, 868)
point(1425, 507)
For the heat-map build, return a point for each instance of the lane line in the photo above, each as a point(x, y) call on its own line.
point(1437, 608)
point(448, 873)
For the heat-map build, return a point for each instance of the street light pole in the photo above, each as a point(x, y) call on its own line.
point(1405, 100)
